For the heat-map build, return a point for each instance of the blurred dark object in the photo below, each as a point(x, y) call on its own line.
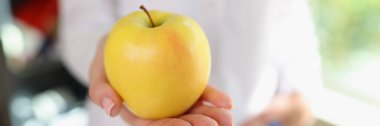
point(4, 93)
point(44, 74)
point(42, 92)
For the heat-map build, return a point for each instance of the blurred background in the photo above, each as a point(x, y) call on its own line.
point(349, 33)
point(37, 90)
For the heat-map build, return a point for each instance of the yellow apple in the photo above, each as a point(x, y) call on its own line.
point(159, 63)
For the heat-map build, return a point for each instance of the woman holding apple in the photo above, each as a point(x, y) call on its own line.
point(264, 60)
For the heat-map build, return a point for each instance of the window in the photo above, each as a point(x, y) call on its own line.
point(349, 32)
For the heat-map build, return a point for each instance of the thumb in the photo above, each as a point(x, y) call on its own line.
point(100, 92)
point(217, 98)
point(104, 96)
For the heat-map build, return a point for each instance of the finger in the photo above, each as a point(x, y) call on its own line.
point(136, 121)
point(222, 116)
point(100, 92)
point(217, 97)
point(104, 96)
point(199, 120)
point(170, 122)
point(132, 119)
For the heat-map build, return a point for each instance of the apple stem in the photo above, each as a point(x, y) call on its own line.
point(147, 13)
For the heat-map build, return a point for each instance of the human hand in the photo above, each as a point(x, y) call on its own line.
point(212, 109)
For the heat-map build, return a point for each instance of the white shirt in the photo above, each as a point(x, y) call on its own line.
point(258, 47)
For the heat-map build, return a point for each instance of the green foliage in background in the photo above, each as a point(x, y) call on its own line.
point(349, 32)
point(347, 26)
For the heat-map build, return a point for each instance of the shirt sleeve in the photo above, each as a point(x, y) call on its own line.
point(82, 25)
point(294, 48)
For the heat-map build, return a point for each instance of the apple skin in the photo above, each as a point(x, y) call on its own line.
point(159, 72)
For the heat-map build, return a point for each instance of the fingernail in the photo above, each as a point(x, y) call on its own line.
point(108, 105)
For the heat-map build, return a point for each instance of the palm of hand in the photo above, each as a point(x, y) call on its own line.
point(200, 114)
